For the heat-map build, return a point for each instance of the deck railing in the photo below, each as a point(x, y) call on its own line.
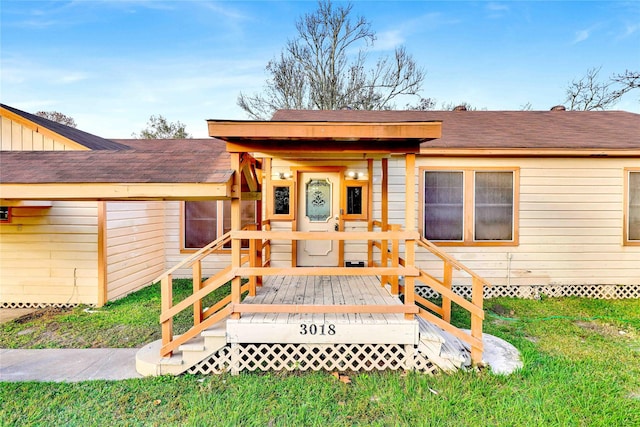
point(256, 263)
point(443, 287)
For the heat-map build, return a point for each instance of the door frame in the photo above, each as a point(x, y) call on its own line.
point(297, 171)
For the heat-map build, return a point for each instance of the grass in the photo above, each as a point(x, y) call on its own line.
point(581, 368)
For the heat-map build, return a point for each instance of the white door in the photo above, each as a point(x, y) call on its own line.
point(318, 211)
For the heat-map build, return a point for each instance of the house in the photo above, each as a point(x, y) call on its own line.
point(422, 202)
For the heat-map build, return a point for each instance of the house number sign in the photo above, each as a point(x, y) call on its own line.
point(320, 329)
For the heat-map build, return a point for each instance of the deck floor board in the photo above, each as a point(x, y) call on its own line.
point(322, 290)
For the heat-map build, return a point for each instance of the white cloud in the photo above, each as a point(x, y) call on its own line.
point(388, 40)
point(581, 36)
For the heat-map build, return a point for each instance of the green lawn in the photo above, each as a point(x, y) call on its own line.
point(581, 368)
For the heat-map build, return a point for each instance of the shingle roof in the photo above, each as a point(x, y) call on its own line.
point(602, 130)
point(86, 139)
point(124, 166)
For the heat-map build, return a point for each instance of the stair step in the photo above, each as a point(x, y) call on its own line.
point(218, 330)
point(429, 331)
point(195, 344)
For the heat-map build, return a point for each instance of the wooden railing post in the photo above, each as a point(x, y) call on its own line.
point(447, 282)
point(384, 255)
point(253, 260)
point(166, 292)
point(197, 285)
point(409, 281)
point(395, 260)
point(476, 322)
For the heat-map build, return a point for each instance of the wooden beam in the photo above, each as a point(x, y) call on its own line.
point(297, 308)
point(344, 131)
point(103, 284)
point(326, 271)
point(335, 235)
point(116, 191)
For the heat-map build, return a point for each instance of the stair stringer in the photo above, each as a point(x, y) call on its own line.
point(443, 349)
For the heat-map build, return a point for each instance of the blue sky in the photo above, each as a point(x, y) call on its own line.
point(111, 64)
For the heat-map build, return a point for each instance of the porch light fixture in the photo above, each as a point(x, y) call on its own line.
point(355, 175)
point(285, 175)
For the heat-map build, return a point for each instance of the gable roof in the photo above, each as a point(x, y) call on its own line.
point(535, 130)
point(90, 141)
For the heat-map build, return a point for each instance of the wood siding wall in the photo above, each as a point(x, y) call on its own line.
point(571, 223)
point(50, 255)
point(16, 137)
point(134, 245)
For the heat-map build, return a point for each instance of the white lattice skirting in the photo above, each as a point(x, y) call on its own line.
point(35, 305)
point(536, 291)
point(303, 357)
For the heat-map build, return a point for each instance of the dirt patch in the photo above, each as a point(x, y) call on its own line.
point(43, 313)
point(601, 328)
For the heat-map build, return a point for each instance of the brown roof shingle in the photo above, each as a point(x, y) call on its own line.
point(601, 130)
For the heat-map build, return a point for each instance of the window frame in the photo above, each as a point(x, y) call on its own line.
point(9, 215)
point(469, 205)
point(627, 206)
point(271, 215)
point(364, 189)
point(219, 227)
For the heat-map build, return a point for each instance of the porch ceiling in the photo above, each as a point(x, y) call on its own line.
point(324, 137)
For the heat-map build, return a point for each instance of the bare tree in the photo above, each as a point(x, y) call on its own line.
point(159, 128)
point(318, 70)
point(591, 93)
point(57, 117)
point(425, 104)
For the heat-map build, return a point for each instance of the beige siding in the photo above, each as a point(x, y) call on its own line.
point(49, 255)
point(17, 137)
point(134, 244)
point(570, 223)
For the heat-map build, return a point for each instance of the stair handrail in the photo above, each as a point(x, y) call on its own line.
point(201, 253)
point(434, 249)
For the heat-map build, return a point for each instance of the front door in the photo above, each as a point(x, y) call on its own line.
point(318, 211)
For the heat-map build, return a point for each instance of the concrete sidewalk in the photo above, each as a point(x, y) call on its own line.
point(68, 365)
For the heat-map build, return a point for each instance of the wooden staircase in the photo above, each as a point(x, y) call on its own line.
point(150, 363)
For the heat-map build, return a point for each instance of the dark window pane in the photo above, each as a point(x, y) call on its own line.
point(281, 200)
point(634, 205)
point(200, 220)
point(493, 206)
point(354, 200)
point(443, 206)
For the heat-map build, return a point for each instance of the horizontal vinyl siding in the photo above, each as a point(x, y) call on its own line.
point(570, 225)
point(50, 255)
point(135, 245)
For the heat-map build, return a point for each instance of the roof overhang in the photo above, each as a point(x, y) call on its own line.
point(115, 191)
point(324, 137)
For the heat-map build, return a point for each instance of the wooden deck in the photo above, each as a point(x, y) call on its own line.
point(329, 328)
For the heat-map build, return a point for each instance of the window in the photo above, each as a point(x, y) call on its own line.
point(469, 206)
point(281, 196)
point(5, 214)
point(632, 196)
point(355, 202)
point(206, 221)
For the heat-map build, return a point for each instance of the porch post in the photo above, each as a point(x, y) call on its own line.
point(410, 225)
point(384, 247)
point(236, 244)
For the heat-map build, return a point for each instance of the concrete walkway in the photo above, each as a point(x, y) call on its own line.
point(68, 365)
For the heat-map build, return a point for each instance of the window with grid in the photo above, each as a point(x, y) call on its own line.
point(469, 206)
